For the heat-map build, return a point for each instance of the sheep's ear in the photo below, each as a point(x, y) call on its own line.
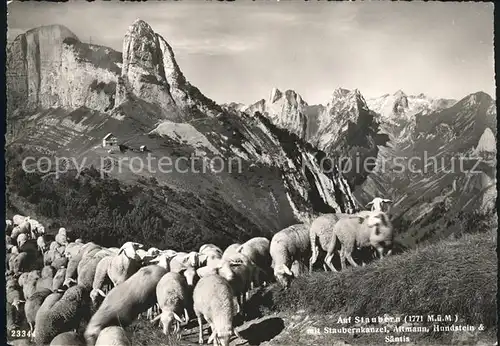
point(386, 200)
point(369, 203)
point(21, 301)
point(287, 270)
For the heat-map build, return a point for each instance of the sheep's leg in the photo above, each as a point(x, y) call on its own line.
point(380, 251)
point(342, 259)
point(314, 257)
point(329, 262)
point(200, 333)
point(351, 260)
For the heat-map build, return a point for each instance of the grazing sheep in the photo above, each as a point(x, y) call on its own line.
point(71, 249)
point(87, 271)
point(8, 226)
point(45, 309)
point(58, 280)
point(47, 278)
point(64, 316)
point(53, 245)
point(360, 231)
point(320, 234)
point(377, 204)
point(59, 262)
point(100, 278)
point(209, 248)
point(14, 294)
point(113, 336)
point(239, 272)
point(19, 219)
point(257, 250)
point(21, 239)
point(209, 255)
point(24, 228)
point(230, 251)
point(125, 263)
point(73, 262)
point(68, 339)
point(213, 300)
point(29, 286)
point(21, 262)
point(183, 260)
point(289, 245)
point(33, 304)
point(125, 301)
point(172, 293)
point(61, 239)
point(42, 244)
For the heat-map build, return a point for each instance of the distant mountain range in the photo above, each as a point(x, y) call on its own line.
point(64, 95)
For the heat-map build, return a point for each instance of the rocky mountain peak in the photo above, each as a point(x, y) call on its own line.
point(151, 73)
point(487, 142)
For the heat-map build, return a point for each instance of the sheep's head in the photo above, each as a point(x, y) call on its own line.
point(377, 204)
point(22, 239)
point(14, 250)
point(79, 241)
point(190, 275)
point(95, 293)
point(283, 275)
point(62, 231)
point(381, 231)
point(162, 261)
point(129, 249)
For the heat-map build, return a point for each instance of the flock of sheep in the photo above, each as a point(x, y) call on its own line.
point(63, 283)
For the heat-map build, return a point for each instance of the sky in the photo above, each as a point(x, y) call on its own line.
point(240, 51)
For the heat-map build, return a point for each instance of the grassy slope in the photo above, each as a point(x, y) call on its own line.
point(449, 277)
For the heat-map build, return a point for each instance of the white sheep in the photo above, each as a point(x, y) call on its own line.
point(18, 219)
point(377, 204)
point(239, 272)
point(58, 280)
point(209, 255)
point(71, 270)
point(14, 294)
point(29, 285)
point(257, 250)
point(59, 262)
point(25, 228)
point(113, 336)
point(19, 262)
point(358, 231)
point(71, 250)
point(42, 244)
point(61, 239)
point(47, 278)
point(8, 226)
point(289, 245)
point(320, 233)
point(45, 309)
point(64, 316)
point(172, 293)
point(100, 278)
point(125, 301)
point(33, 304)
point(230, 251)
point(68, 339)
point(125, 263)
point(53, 245)
point(22, 239)
point(213, 299)
point(87, 269)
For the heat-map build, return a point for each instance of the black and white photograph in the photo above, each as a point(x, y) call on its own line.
point(243, 173)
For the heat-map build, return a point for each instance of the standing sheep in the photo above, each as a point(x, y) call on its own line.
point(360, 231)
point(19, 219)
point(87, 271)
point(114, 336)
point(8, 226)
point(29, 286)
point(45, 309)
point(125, 301)
point(257, 250)
point(231, 251)
point(125, 263)
point(33, 304)
point(58, 280)
point(213, 299)
point(64, 316)
point(71, 271)
point(289, 245)
point(47, 278)
point(172, 293)
point(24, 228)
point(320, 234)
point(14, 294)
point(100, 278)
